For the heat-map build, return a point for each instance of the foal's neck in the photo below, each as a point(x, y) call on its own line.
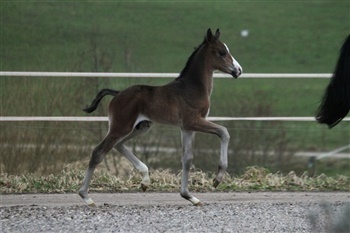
point(200, 71)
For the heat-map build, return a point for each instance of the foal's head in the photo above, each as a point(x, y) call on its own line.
point(221, 57)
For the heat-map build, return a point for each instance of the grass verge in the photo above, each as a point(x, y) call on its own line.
point(253, 179)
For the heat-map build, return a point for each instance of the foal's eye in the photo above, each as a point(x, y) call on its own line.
point(222, 53)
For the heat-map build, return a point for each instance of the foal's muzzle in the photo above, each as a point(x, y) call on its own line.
point(236, 72)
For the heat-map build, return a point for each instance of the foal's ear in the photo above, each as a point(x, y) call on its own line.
point(217, 34)
point(209, 37)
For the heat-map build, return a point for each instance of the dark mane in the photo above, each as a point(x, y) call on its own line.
point(190, 59)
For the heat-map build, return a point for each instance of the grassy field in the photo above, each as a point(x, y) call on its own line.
point(284, 36)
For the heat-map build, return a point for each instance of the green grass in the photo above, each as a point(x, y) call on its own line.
point(285, 36)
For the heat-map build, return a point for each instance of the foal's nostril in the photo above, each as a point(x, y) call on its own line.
point(238, 71)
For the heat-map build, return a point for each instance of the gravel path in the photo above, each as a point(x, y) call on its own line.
point(167, 212)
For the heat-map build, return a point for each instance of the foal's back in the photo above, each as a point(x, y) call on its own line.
point(167, 104)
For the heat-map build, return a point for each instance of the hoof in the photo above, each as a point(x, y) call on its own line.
point(216, 183)
point(144, 187)
point(89, 201)
point(92, 205)
point(195, 201)
point(199, 204)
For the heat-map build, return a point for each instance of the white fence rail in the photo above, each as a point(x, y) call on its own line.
point(155, 75)
point(72, 118)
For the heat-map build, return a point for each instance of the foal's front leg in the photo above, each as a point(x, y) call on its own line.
point(187, 138)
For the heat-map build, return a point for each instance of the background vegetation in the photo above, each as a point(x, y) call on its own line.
point(133, 36)
point(252, 179)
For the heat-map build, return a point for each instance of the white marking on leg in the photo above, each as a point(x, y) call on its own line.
point(187, 138)
point(140, 166)
point(84, 189)
point(225, 139)
point(89, 201)
point(83, 192)
point(195, 201)
point(97, 155)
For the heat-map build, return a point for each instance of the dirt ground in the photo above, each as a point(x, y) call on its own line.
point(144, 199)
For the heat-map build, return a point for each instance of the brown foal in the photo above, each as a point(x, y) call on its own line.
point(184, 102)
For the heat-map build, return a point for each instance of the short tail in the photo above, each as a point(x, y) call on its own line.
point(99, 96)
point(335, 103)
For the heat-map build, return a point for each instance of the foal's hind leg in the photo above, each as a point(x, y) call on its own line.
point(187, 138)
point(141, 128)
point(141, 167)
point(202, 125)
point(97, 156)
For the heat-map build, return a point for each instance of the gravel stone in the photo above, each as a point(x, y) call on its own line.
point(213, 217)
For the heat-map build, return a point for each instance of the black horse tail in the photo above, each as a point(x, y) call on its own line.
point(335, 103)
point(99, 96)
